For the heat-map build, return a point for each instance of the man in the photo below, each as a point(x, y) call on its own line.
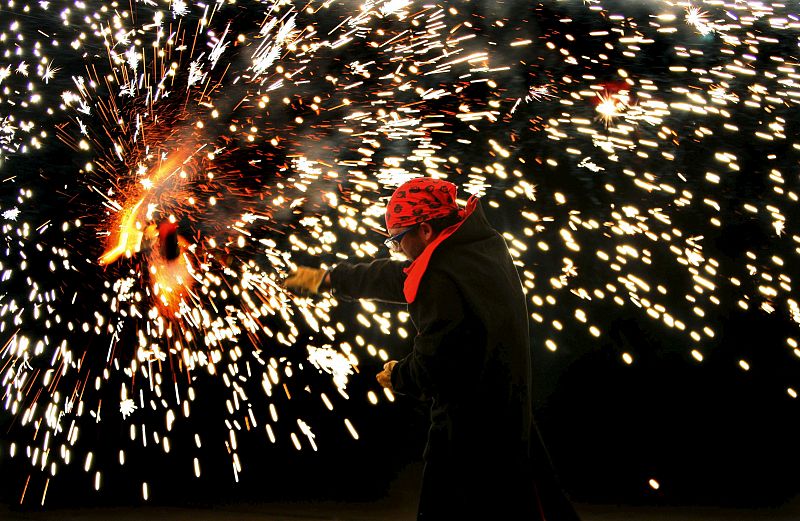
point(470, 358)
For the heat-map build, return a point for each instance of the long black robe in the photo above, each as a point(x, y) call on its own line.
point(471, 358)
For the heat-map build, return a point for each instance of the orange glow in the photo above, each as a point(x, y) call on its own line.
point(128, 239)
point(171, 279)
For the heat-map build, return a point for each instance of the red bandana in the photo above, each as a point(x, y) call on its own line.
point(419, 200)
point(416, 270)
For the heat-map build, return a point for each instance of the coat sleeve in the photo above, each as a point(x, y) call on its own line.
point(439, 314)
point(381, 279)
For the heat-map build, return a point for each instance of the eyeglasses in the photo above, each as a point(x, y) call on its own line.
point(393, 242)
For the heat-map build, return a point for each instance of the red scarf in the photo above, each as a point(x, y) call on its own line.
point(416, 270)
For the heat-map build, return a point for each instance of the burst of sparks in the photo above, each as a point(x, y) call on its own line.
point(698, 19)
point(268, 141)
point(610, 107)
point(127, 407)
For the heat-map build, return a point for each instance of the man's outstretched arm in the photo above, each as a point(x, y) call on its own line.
point(381, 279)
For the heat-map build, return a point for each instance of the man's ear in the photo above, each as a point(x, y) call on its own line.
point(426, 230)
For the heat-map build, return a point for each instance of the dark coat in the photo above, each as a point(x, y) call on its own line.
point(471, 358)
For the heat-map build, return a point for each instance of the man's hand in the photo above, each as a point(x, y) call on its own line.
point(385, 376)
point(307, 280)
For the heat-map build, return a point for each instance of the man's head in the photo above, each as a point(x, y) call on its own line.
point(418, 211)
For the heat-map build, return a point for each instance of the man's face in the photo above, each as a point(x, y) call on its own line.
point(412, 243)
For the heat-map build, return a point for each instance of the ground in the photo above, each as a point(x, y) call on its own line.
point(399, 505)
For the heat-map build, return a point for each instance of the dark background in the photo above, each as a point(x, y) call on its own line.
point(709, 432)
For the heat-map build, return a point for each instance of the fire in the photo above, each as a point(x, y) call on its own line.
point(129, 237)
point(171, 279)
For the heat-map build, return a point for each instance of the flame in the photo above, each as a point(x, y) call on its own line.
point(171, 279)
point(129, 238)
